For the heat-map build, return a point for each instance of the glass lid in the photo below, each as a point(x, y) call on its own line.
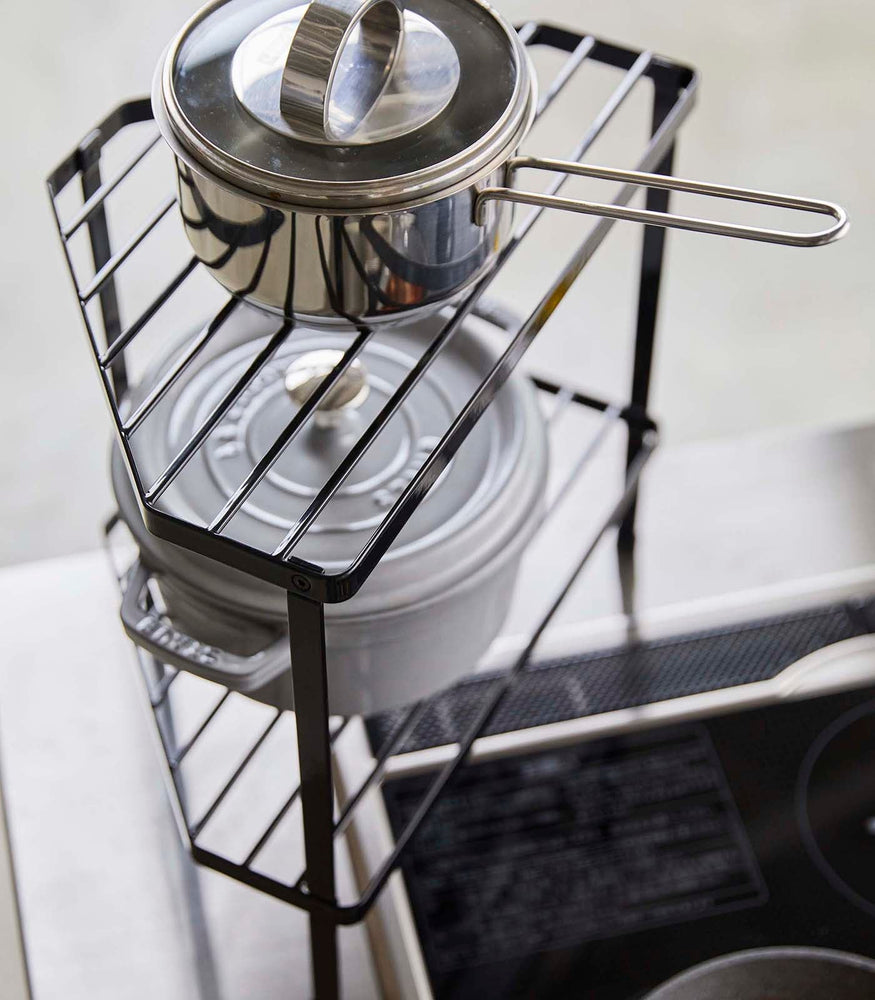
point(345, 103)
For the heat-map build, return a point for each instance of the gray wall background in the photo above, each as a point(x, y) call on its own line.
point(752, 338)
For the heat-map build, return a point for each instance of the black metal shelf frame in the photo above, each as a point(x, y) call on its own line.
point(159, 679)
point(281, 566)
point(309, 586)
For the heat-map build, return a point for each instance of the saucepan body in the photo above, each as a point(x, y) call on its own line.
point(335, 268)
point(357, 160)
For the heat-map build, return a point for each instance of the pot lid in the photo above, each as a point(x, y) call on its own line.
point(349, 104)
point(473, 510)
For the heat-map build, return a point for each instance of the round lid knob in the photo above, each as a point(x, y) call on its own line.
point(305, 374)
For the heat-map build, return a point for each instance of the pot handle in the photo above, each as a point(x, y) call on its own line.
point(668, 220)
point(314, 55)
point(151, 631)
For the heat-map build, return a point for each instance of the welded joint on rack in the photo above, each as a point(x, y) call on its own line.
point(637, 419)
point(278, 818)
point(300, 885)
point(197, 828)
point(125, 339)
point(108, 270)
point(405, 726)
point(159, 695)
point(89, 151)
point(194, 443)
point(183, 752)
point(527, 31)
point(185, 359)
point(566, 72)
point(106, 189)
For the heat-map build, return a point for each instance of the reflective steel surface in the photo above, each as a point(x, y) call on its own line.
point(330, 267)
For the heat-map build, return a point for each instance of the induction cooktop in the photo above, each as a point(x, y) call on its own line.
point(642, 809)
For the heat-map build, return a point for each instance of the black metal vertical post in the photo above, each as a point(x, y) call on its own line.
point(310, 686)
point(98, 235)
point(652, 255)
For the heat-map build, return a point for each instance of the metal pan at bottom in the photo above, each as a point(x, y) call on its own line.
point(775, 974)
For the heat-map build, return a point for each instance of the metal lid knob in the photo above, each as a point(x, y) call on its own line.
point(373, 75)
point(306, 374)
point(308, 83)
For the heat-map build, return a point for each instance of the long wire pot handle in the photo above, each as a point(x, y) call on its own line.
point(668, 220)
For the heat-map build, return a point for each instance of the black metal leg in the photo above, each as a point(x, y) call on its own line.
point(310, 685)
point(205, 962)
point(652, 254)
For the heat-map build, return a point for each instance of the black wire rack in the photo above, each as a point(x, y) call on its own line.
point(280, 566)
point(310, 586)
point(159, 678)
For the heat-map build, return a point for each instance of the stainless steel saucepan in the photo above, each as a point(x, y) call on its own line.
point(354, 159)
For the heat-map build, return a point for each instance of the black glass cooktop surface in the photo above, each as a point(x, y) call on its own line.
point(601, 869)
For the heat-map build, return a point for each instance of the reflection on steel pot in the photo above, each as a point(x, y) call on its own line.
point(346, 158)
point(775, 974)
point(439, 596)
